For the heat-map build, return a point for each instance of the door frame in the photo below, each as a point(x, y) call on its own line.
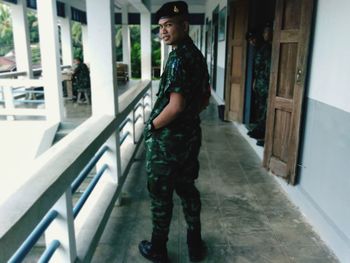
point(214, 40)
point(228, 79)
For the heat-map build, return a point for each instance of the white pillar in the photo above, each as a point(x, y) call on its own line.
point(50, 59)
point(100, 18)
point(164, 54)
point(66, 37)
point(146, 46)
point(21, 37)
point(85, 40)
point(126, 38)
point(62, 229)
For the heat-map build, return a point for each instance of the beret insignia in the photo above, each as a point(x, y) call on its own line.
point(176, 10)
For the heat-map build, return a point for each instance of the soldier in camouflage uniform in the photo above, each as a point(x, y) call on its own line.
point(173, 136)
point(81, 80)
point(262, 63)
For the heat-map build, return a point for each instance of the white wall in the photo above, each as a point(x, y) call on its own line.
point(220, 89)
point(330, 68)
point(323, 190)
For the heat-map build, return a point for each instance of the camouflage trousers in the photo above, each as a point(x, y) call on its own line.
point(261, 95)
point(163, 178)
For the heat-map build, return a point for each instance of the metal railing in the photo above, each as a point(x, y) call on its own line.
point(51, 193)
point(20, 96)
point(38, 231)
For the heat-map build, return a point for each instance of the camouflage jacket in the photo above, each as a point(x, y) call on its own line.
point(81, 77)
point(186, 73)
point(262, 63)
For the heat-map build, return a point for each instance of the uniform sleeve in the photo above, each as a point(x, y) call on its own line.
point(178, 79)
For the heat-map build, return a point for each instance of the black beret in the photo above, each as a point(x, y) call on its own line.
point(177, 8)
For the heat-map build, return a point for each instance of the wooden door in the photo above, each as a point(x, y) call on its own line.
point(292, 28)
point(237, 45)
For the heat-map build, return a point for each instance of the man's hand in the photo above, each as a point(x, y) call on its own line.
point(175, 106)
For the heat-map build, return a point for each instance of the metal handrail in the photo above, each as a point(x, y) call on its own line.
point(88, 191)
point(49, 251)
point(122, 139)
point(137, 118)
point(28, 244)
point(37, 70)
point(137, 106)
point(87, 169)
point(126, 121)
point(28, 91)
point(30, 101)
point(13, 74)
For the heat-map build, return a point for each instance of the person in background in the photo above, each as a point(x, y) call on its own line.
point(81, 81)
point(262, 64)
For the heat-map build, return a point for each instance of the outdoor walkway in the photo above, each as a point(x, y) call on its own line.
point(245, 215)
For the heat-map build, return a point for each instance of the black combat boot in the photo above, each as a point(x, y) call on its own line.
point(197, 250)
point(154, 251)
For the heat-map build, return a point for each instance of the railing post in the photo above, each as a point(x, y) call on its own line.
point(104, 94)
point(9, 103)
point(133, 126)
point(62, 229)
point(164, 54)
point(50, 60)
point(85, 39)
point(143, 110)
point(66, 37)
point(126, 39)
point(21, 37)
point(146, 46)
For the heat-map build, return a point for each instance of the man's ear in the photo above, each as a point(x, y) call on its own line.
point(186, 26)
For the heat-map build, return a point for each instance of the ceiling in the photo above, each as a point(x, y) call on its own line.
point(155, 4)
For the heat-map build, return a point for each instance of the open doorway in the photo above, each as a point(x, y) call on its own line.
point(291, 24)
point(259, 48)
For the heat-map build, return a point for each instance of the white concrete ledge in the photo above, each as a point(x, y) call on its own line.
point(53, 173)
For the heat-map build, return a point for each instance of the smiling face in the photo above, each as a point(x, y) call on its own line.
point(172, 30)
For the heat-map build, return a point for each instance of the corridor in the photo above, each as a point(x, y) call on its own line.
point(245, 215)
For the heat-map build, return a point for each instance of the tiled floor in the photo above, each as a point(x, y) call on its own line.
point(245, 215)
point(77, 113)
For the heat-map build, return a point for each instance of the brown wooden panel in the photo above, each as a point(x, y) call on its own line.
point(237, 63)
point(292, 14)
point(239, 32)
point(281, 135)
point(284, 104)
point(278, 167)
point(235, 69)
point(289, 36)
point(235, 93)
point(287, 70)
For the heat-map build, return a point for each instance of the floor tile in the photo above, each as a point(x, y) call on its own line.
point(246, 217)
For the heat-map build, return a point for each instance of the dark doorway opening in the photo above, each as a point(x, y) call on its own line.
point(261, 16)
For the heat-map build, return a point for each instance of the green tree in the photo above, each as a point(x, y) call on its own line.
point(77, 40)
point(135, 51)
point(6, 36)
point(33, 27)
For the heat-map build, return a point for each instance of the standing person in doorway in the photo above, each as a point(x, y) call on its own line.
point(262, 65)
point(173, 136)
point(81, 80)
point(254, 41)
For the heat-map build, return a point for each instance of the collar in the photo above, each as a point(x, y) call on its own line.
point(184, 42)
